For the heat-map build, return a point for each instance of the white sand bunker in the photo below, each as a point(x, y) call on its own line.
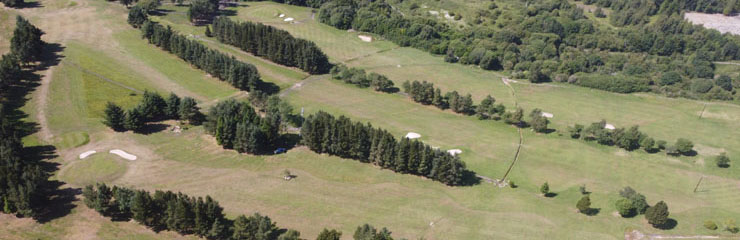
point(288, 19)
point(412, 135)
point(365, 38)
point(547, 114)
point(123, 154)
point(87, 154)
point(282, 15)
point(434, 12)
point(609, 126)
point(454, 152)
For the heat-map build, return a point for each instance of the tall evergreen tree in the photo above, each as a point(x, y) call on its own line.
point(134, 120)
point(172, 110)
point(10, 71)
point(114, 117)
point(26, 42)
point(329, 235)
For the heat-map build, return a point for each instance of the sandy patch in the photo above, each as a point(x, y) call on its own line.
point(412, 135)
point(621, 153)
point(398, 66)
point(547, 114)
point(454, 152)
point(699, 162)
point(609, 126)
point(707, 150)
point(288, 19)
point(365, 38)
point(123, 154)
point(719, 22)
point(435, 13)
point(87, 154)
point(282, 15)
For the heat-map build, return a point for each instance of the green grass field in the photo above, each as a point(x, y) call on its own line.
point(340, 193)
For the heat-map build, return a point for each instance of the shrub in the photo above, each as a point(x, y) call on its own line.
point(730, 226)
point(625, 207)
point(684, 146)
point(709, 224)
point(657, 215)
point(670, 78)
point(584, 205)
point(545, 188)
point(701, 85)
point(722, 160)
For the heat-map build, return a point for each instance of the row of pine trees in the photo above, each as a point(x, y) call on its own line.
point(236, 125)
point(153, 107)
point(239, 74)
point(22, 179)
point(324, 133)
point(362, 79)
point(204, 217)
point(274, 44)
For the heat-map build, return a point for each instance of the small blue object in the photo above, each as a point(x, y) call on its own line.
point(280, 150)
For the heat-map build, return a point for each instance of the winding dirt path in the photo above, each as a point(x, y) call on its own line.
point(521, 136)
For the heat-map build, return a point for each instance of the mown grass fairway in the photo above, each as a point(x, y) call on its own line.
point(330, 192)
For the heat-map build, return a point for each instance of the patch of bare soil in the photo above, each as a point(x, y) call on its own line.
point(719, 22)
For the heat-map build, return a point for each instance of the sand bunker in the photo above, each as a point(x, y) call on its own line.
point(412, 135)
point(282, 15)
point(123, 154)
point(609, 126)
point(365, 38)
point(434, 12)
point(547, 114)
point(288, 19)
point(87, 154)
point(454, 152)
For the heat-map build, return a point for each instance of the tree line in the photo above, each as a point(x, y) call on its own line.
point(628, 139)
point(203, 217)
point(239, 74)
point(552, 41)
point(23, 179)
point(272, 43)
point(425, 93)
point(153, 107)
point(303, 3)
point(361, 79)
point(324, 133)
point(237, 125)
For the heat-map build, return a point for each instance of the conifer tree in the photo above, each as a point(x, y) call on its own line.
point(657, 215)
point(10, 71)
point(134, 120)
point(136, 16)
point(172, 110)
point(114, 117)
point(26, 44)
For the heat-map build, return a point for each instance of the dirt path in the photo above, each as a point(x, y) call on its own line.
point(300, 84)
point(521, 136)
point(637, 235)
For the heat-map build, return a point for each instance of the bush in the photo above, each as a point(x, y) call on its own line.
point(657, 215)
point(545, 189)
point(625, 207)
point(723, 161)
point(730, 226)
point(584, 205)
point(709, 224)
point(684, 146)
point(670, 78)
point(619, 84)
point(701, 85)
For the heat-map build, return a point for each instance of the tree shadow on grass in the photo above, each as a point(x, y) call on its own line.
point(30, 5)
point(268, 88)
point(469, 179)
point(670, 224)
point(151, 128)
point(551, 195)
point(592, 211)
